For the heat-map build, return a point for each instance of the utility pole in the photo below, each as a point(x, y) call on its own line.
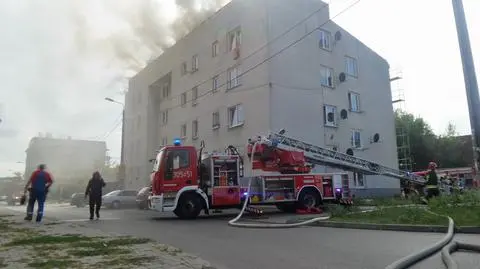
point(121, 172)
point(470, 78)
point(122, 152)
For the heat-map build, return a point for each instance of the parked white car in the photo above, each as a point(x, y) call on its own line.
point(119, 198)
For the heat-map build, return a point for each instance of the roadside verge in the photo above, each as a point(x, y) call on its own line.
point(63, 245)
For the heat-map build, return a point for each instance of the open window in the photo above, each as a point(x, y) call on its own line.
point(330, 115)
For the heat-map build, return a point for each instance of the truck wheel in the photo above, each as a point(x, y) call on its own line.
point(189, 206)
point(309, 198)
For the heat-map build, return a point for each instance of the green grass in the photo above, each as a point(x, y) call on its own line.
point(53, 263)
point(128, 261)
point(48, 239)
point(463, 208)
point(105, 251)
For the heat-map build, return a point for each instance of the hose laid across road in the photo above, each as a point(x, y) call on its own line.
point(445, 244)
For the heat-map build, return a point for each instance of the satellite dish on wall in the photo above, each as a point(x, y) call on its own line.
point(342, 77)
point(344, 114)
point(376, 138)
point(350, 151)
point(338, 36)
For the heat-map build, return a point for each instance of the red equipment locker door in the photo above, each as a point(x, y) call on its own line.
point(226, 196)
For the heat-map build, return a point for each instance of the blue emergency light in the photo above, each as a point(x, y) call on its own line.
point(177, 142)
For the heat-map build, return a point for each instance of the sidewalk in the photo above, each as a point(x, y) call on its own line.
point(53, 244)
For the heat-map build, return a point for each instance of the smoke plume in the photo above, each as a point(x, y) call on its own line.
point(135, 32)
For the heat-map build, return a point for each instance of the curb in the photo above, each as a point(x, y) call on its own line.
point(393, 227)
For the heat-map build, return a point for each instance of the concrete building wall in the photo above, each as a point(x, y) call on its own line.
point(65, 158)
point(283, 92)
point(298, 96)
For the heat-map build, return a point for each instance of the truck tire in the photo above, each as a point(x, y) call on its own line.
point(189, 206)
point(309, 198)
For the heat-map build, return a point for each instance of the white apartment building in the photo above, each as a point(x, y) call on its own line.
point(241, 73)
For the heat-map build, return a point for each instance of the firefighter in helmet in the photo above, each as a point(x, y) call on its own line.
point(432, 181)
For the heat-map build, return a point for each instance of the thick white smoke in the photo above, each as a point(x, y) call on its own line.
point(134, 32)
point(60, 59)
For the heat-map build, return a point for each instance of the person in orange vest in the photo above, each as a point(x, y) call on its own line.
point(432, 181)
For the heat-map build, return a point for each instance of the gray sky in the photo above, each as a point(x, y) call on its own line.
point(57, 64)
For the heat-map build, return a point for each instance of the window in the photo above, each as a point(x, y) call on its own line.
point(194, 95)
point(326, 76)
point(178, 159)
point(356, 139)
point(183, 69)
point(195, 129)
point(233, 77)
point(183, 99)
point(194, 63)
point(214, 83)
point(330, 115)
point(164, 141)
point(351, 67)
point(216, 120)
point(165, 117)
point(166, 89)
point(215, 49)
point(354, 101)
point(158, 160)
point(325, 38)
point(183, 131)
point(236, 116)
point(358, 180)
point(234, 39)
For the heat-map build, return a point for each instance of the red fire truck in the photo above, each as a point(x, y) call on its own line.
point(187, 182)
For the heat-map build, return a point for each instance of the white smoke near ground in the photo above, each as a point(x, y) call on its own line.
point(59, 60)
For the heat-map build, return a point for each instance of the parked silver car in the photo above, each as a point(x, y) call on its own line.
point(120, 198)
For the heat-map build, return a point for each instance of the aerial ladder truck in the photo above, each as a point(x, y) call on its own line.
point(186, 182)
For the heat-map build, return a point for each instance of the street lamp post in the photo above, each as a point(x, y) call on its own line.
point(122, 147)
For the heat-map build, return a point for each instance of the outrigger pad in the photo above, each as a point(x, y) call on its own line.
point(309, 211)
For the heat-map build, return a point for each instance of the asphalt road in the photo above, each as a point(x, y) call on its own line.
point(237, 248)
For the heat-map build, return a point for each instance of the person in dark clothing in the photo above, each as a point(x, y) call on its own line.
point(94, 191)
point(39, 182)
point(432, 181)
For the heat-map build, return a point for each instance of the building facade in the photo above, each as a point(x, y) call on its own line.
point(68, 159)
point(245, 71)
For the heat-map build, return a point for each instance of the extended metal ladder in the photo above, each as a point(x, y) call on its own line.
point(322, 156)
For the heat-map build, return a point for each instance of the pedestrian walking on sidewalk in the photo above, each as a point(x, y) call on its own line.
point(39, 183)
point(94, 191)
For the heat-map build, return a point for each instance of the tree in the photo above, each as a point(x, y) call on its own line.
point(450, 149)
point(421, 137)
point(447, 150)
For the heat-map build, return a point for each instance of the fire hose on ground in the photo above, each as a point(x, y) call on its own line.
point(446, 245)
point(234, 222)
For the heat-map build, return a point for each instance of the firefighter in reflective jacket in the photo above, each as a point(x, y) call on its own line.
point(432, 181)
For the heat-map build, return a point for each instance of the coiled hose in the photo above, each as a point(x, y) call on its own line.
point(234, 222)
point(446, 245)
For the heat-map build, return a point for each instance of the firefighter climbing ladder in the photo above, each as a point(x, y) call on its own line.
point(321, 156)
